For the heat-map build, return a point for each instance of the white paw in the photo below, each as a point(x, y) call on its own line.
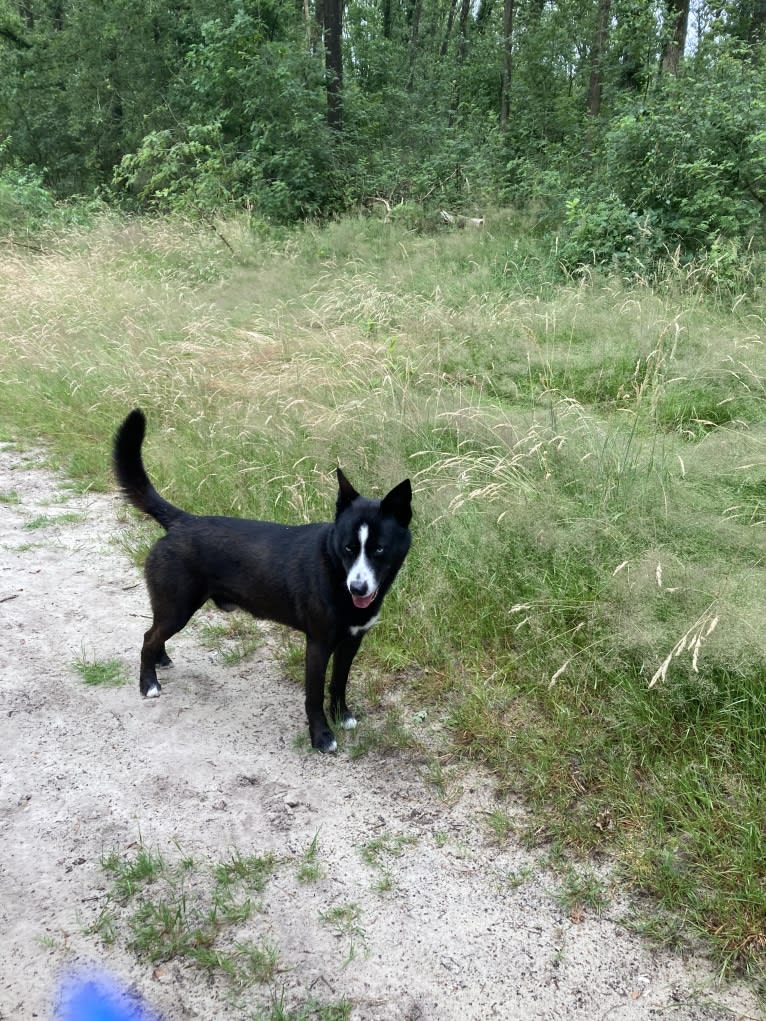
point(349, 723)
point(153, 692)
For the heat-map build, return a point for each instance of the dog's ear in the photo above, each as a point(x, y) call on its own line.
point(346, 493)
point(398, 503)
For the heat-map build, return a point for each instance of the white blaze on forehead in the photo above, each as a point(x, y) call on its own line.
point(361, 574)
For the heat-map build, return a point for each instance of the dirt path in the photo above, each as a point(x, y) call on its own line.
point(412, 911)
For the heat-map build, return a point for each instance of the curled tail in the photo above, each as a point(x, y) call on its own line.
point(131, 475)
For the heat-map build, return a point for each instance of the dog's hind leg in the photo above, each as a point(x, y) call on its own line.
point(163, 659)
point(342, 659)
point(175, 596)
point(153, 652)
point(173, 606)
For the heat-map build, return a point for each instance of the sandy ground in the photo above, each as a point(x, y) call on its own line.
point(447, 925)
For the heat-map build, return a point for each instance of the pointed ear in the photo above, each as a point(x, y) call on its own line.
point(346, 493)
point(398, 503)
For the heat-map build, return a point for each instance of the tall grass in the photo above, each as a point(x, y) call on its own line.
point(585, 595)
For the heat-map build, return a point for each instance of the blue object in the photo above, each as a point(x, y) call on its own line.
point(99, 999)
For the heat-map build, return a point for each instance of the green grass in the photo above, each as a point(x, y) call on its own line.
point(500, 825)
point(47, 520)
point(310, 868)
point(380, 852)
point(313, 1010)
point(590, 484)
point(233, 639)
point(344, 921)
point(209, 915)
point(178, 910)
point(104, 673)
point(582, 892)
point(251, 870)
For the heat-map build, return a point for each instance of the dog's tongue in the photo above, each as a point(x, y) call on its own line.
point(362, 602)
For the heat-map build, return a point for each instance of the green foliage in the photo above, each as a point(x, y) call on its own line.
point(252, 131)
point(25, 203)
point(83, 88)
point(605, 232)
point(699, 183)
point(660, 186)
point(28, 207)
point(222, 104)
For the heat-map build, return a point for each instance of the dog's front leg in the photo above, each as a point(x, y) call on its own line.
point(343, 657)
point(317, 658)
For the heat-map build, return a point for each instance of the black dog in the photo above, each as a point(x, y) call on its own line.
point(327, 580)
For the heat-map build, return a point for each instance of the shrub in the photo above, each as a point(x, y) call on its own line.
point(661, 192)
point(698, 184)
point(24, 200)
point(604, 231)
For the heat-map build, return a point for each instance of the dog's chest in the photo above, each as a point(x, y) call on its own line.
point(361, 628)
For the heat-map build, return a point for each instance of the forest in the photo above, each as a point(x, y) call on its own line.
point(631, 128)
point(244, 216)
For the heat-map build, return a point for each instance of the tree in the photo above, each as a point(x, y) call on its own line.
point(298, 109)
point(596, 57)
point(505, 96)
point(415, 12)
point(333, 44)
point(748, 21)
point(462, 52)
point(675, 44)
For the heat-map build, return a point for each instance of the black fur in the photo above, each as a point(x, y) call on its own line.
point(298, 575)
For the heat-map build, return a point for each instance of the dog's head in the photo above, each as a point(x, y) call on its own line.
point(372, 538)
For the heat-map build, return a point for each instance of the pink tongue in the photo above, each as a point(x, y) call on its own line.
point(362, 602)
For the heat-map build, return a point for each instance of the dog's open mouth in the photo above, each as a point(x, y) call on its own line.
point(362, 602)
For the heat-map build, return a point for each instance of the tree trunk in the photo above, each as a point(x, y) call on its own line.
point(317, 35)
point(673, 51)
point(386, 10)
point(505, 95)
point(448, 30)
point(462, 50)
point(462, 46)
point(597, 54)
point(416, 10)
point(333, 48)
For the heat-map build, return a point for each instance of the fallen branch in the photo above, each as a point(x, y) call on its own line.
point(385, 203)
point(461, 222)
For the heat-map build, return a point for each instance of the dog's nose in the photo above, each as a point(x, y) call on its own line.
point(358, 587)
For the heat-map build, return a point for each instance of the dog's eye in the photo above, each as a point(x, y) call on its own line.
point(379, 551)
point(349, 549)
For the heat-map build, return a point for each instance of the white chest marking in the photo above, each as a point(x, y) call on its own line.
point(361, 628)
point(361, 578)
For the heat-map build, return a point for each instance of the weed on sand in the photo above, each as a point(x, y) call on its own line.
point(101, 672)
point(586, 588)
point(171, 907)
